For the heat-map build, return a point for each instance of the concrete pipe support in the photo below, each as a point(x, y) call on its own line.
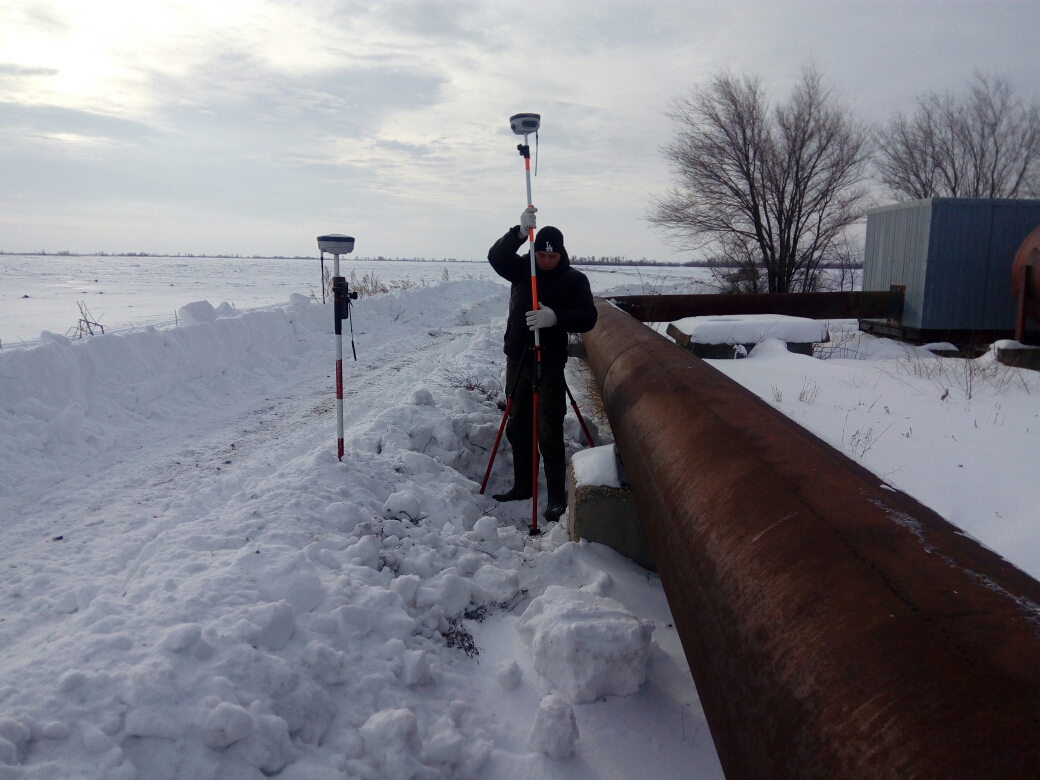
point(834, 626)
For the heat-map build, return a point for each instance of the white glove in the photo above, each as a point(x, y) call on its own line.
point(543, 317)
point(527, 220)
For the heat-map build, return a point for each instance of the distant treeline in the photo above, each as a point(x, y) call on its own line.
point(622, 260)
point(67, 253)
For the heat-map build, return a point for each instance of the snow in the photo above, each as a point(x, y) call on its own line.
point(596, 467)
point(752, 328)
point(195, 588)
point(585, 645)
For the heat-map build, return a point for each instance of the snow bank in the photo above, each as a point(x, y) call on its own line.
point(586, 646)
point(752, 328)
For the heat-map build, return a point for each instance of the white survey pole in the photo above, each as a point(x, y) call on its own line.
point(338, 244)
point(339, 374)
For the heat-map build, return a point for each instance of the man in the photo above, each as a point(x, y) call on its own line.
point(564, 306)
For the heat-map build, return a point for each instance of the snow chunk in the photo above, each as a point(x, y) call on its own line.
point(422, 397)
point(586, 646)
point(327, 665)
point(500, 584)
point(448, 590)
point(268, 748)
point(402, 504)
point(555, 729)
point(413, 666)
point(486, 529)
point(55, 730)
point(392, 743)
point(509, 675)
point(225, 725)
point(276, 623)
point(445, 743)
point(596, 467)
point(353, 621)
point(752, 328)
point(182, 637)
point(196, 312)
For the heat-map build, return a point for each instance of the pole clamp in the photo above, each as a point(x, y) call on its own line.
point(525, 151)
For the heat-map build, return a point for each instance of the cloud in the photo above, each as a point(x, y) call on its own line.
point(390, 118)
point(8, 69)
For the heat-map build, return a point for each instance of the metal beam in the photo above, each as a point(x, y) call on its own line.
point(819, 306)
point(835, 627)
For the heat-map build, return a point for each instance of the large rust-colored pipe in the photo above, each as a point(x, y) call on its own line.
point(834, 626)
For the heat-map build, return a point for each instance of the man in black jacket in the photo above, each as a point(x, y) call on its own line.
point(564, 306)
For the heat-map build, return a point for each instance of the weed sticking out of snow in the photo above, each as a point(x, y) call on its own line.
point(459, 638)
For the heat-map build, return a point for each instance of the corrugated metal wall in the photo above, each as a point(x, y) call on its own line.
point(954, 256)
point(896, 252)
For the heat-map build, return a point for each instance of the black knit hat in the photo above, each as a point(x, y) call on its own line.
point(549, 239)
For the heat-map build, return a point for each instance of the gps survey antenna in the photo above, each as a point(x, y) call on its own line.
point(336, 245)
point(525, 124)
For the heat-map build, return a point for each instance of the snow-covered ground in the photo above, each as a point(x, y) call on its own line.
point(961, 436)
point(194, 587)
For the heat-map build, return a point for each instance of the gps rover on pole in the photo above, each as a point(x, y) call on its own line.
point(337, 245)
point(525, 124)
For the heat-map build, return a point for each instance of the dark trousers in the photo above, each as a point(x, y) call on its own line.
point(552, 406)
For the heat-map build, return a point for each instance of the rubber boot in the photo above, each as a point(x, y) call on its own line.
point(521, 480)
point(556, 488)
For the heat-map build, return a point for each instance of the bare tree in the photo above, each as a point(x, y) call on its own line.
point(844, 265)
point(982, 144)
point(777, 185)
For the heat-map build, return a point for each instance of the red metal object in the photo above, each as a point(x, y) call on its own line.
point(821, 305)
point(834, 626)
point(1025, 282)
point(534, 458)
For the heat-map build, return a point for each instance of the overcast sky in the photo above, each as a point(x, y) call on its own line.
point(250, 127)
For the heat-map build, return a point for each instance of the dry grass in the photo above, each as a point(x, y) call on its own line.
point(87, 325)
point(455, 376)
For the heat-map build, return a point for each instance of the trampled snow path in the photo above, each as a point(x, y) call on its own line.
point(227, 600)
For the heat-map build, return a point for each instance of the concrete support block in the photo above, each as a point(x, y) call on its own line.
point(607, 515)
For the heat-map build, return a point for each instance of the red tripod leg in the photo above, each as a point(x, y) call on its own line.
point(581, 420)
point(494, 450)
point(505, 417)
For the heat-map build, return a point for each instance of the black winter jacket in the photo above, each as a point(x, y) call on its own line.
point(564, 290)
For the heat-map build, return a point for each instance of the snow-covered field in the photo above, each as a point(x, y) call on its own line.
point(194, 587)
point(40, 293)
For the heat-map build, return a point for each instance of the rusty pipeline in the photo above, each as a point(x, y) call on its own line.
point(835, 627)
point(817, 305)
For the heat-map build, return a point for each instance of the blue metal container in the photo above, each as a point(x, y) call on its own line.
point(954, 256)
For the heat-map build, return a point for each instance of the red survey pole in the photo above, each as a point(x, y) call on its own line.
point(525, 124)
